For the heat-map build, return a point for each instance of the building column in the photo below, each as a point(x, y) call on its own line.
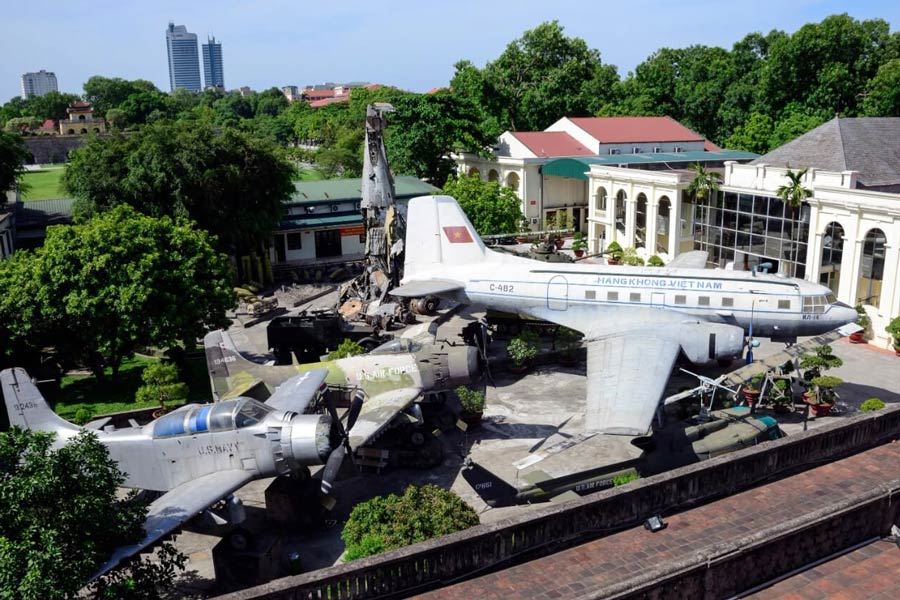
point(855, 268)
point(675, 223)
point(814, 256)
point(845, 293)
point(889, 304)
point(652, 212)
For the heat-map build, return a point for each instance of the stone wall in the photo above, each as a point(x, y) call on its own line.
point(53, 148)
point(486, 547)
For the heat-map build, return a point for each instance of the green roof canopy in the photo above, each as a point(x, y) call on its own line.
point(331, 190)
point(575, 168)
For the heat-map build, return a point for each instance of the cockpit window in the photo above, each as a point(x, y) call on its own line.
point(251, 413)
point(398, 346)
point(815, 304)
point(228, 414)
point(830, 299)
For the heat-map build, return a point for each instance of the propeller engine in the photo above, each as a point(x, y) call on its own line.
point(341, 435)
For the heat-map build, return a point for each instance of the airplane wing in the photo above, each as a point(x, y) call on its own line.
point(296, 393)
point(177, 506)
point(379, 410)
point(695, 259)
point(418, 289)
point(626, 377)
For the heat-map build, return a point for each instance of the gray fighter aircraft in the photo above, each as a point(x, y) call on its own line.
point(200, 454)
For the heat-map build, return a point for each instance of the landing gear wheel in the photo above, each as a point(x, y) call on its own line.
point(239, 539)
point(417, 438)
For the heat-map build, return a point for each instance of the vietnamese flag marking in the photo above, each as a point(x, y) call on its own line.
point(458, 235)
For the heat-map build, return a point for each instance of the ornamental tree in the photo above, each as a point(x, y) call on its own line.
point(492, 208)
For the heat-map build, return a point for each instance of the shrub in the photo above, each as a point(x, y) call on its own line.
point(614, 251)
point(390, 522)
point(863, 320)
point(631, 258)
point(893, 328)
point(522, 348)
point(345, 349)
point(82, 416)
point(161, 385)
point(625, 478)
point(655, 261)
point(871, 404)
point(579, 242)
point(471, 401)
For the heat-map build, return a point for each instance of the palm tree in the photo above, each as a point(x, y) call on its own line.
point(793, 194)
point(704, 183)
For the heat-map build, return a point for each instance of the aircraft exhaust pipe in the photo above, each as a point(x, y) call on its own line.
point(464, 364)
point(311, 439)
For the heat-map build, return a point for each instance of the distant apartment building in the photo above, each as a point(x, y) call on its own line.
point(291, 92)
point(213, 71)
point(38, 84)
point(184, 61)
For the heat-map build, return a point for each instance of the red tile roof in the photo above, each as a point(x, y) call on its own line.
point(49, 124)
point(552, 143)
point(710, 147)
point(317, 94)
point(327, 101)
point(621, 130)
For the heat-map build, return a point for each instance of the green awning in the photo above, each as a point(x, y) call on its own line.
point(576, 168)
point(307, 221)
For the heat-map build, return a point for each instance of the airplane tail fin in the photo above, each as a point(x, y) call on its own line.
point(26, 406)
point(223, 361)
point(488, 486)
point(439, 233)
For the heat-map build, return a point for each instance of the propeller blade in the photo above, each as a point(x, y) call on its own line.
point(335, 419)
point(332, 467)
point(355, 407)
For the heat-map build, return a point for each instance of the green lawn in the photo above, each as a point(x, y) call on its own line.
point(43, 185)
point(307, 175)
point(84, 393)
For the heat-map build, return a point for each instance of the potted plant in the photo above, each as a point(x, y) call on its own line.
point(872, 404)
point(815, 364)
point(821, 397)
point(893, 328)
point(522, 349)
point(630, 257)
point(471, 404)
point(781, 395)
point(524, 230)
point(614, 253)
point(579, 244)
point(567, 342)
point(655, 261)
point(863, 321)
point(752, 389)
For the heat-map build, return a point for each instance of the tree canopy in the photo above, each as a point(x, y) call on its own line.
point(12, 156)
point(231, 183)
point(100, 290)
point(492, 208)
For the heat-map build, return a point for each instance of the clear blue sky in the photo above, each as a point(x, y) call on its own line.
point(409, 44)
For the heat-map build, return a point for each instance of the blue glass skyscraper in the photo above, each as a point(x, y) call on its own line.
point(184, 62)
point(213, 72)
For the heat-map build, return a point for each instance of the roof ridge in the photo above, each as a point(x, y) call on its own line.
point(840, 133)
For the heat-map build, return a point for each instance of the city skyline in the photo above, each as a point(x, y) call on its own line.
point(278, 43)
point(184, 60)
point(213, 68)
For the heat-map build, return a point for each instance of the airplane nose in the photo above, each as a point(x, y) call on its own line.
point(846, 314)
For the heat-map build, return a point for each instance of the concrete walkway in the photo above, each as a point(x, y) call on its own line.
point(628, 560)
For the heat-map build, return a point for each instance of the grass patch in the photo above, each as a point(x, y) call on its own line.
point(307, 175)
point(83, 395)
point(45, 184)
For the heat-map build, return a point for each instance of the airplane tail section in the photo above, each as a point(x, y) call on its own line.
point(439, 233)
point(488, 486)
point(223, 361)
point(26, 406)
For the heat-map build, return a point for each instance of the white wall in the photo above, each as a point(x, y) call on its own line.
point(587, 140)
point(508, 145)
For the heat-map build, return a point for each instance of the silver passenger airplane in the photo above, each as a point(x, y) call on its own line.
point(635, 320)
point(200, 454)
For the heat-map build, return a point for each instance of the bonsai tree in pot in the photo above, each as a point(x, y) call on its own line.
point(655, 261)
point(614, 253)
point(752, 389)
point(522, 349)
point(630, 257)
point(816, 364)
point(579, 244)
point(781, 396)
point(863, 321)
point(821, 397)
point(524, 230)
point(471, 404)
point(893, 328)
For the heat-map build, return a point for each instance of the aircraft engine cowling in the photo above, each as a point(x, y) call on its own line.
point(458, 365)
point(705, 343)
point(311, 439)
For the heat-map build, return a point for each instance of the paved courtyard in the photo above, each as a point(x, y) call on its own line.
point(523, 412)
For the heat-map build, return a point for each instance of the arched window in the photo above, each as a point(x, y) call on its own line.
point(832, 254)
point(474, 172)
point(71, 131)
point(663, 221)
point(640, 222)
point(600, 203)
point(83, 130)
point(493, 175)
point(871, 268)
point(620, 211)
point(512, 181)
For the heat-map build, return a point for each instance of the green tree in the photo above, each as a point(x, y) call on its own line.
point(119, 282)
point(104, 93)
point(60, 514)
point(883, 91)
point(345, 349)
point(271, 102)
point(426, 128)
point(705, 183)
point(752, 136)
point(12, 156)
point(793, 194)
point(492, 208)
point(794, 123)
point(161, 385)
point(51, 105)
point(137, 108)
point(230, 183)
point(390, 522)
point(22, 125)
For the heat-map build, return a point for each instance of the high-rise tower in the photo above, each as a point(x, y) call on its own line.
point(38, 84)
point(184, 62)
point(213, 72)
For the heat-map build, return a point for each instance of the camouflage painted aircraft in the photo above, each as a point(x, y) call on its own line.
point(392, 376)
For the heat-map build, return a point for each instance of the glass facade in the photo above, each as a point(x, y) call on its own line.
point(751, 230)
